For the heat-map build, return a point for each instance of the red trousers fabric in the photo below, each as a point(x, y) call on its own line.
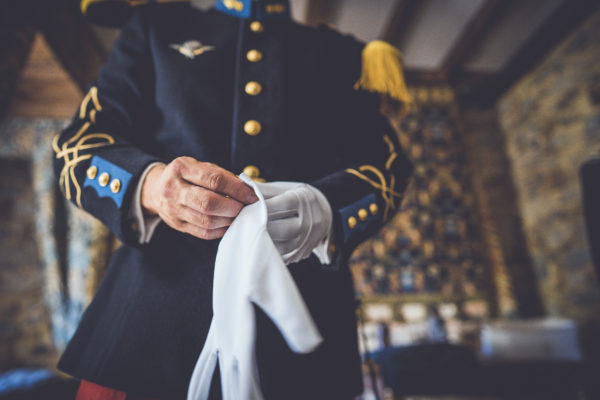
point(91, 391)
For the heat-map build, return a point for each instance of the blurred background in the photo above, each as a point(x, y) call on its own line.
point(482, 287)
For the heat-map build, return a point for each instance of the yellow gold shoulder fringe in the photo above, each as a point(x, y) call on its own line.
point(382, 72)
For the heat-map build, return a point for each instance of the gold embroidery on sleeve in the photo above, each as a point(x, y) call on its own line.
point(71, 155)
point(388, 163)
point(389, 142)
point(388, 193)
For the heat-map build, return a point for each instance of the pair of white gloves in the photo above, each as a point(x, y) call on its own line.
point(250, 271)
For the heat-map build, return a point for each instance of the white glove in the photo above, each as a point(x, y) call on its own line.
point(299, 220)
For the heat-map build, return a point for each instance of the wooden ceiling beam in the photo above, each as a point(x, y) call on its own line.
point(568, 16)
point(16, 37)
point(471, 37)
point(78, 48)
point(400, 20)
point(322, 11)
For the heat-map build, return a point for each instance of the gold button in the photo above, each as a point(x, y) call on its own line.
point(373, 208)
point(253, 88)
point(103, 179)
point(252, 127)
point(332, 248)
point(254, 55)
point(252, 171)
point(274, 8)
point(92, 172)
point(362, 214)
point(115, 185)
point(256, 27)
point(351, 222)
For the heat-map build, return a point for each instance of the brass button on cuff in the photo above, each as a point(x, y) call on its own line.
point(351, 222)
point(253, 88)
point(373, 208)
point(103, 179)
point(115, 186)
point(257, 27)
point(254, 55)
point(252, 127)
point(362, 214)
point(92, 172)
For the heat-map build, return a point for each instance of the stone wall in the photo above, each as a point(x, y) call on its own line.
point(551, 123)
point(515, 283)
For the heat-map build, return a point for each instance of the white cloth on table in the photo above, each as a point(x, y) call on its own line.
point(249, 270)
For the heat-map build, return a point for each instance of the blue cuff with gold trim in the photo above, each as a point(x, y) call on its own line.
point(359, 215)
point(107, 179)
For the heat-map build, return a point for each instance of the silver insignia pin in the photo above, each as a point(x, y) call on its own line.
point(191, 48)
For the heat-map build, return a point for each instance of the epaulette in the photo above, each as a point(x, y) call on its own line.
point(382, 72)
point(115, 12)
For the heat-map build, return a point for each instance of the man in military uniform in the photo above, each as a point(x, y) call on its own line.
point(188, 99)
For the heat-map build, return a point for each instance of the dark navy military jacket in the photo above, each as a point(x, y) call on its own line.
point(272, 98)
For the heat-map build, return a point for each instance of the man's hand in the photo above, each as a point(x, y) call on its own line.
point(190, 196)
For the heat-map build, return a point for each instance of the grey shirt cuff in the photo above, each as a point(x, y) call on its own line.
point(146, 224)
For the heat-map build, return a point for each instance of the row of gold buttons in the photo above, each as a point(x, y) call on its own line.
point(253, 88)
point(103, 179)
point(362, 215)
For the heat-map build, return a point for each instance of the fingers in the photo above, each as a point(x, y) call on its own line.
point(286, 247)
point(207, 202)
point(203, 220)
point(208, 234)
point(190, 197)
point(283, 205)
point(285, 230)
point(273, 189)
point(215, 179)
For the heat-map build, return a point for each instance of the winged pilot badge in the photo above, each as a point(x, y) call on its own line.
point(191, 48)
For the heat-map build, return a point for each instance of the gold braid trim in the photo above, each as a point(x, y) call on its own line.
point(71, 155)
point(387, 192)
point(389, 143)
point(388, 163)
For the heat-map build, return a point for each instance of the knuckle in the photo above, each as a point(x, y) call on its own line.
point(168, 188)
point(179, 164)
point(215, 180)
point(206, 203)
point(206, 221)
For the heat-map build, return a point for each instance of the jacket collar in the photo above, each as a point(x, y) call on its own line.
point(258, 9)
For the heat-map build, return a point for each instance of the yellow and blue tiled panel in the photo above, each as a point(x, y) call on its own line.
point(429, 247)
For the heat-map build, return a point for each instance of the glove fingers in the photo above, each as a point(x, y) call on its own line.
point(282, 230)
point(272, 189)
point(285, 248)
point(275, 215)
point(284, 202)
